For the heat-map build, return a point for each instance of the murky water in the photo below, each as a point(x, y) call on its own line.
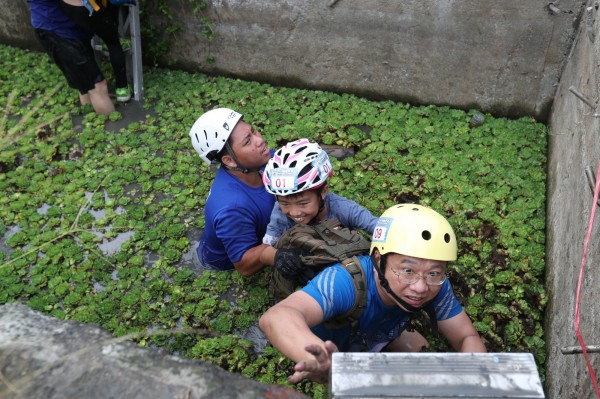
point(113, 245)
point(4, 247)
point(42, 210)
point(256, 336)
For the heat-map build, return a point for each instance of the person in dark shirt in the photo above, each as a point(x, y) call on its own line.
point(69, 47)
point(101, 18)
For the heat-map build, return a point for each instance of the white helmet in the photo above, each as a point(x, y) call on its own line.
point(296, 167)
point(211, 131)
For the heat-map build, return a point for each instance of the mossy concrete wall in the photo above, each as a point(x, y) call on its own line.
point(501, 57)
point(574, 146)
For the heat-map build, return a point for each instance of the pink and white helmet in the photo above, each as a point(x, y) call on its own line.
point(296, 167)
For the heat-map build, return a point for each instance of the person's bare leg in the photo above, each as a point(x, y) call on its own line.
point(84, 99)
point(408, 341)
point(100, 100)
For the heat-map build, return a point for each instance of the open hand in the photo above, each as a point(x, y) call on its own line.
point(316, 369)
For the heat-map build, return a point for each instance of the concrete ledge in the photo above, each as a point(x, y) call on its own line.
point(500, 57)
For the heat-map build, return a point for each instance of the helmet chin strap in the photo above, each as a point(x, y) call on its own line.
point(321, 204)
point(386, 286)
point(239, 167)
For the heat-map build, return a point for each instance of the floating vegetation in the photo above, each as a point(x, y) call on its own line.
point(74, 182)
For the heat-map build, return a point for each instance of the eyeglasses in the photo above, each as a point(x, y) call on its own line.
point(407, 276)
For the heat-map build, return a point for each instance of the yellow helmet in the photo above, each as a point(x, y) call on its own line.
point(414, 230)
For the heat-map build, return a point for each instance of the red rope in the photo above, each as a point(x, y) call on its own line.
point(583, 262)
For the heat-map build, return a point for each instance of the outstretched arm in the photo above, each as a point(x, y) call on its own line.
point(461, 334)
point(287, 326)
point(251, 262)
point(267, 257)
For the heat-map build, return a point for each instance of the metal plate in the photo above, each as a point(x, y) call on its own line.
point(434, 375)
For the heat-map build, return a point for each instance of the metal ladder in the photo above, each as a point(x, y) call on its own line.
point(129, 25)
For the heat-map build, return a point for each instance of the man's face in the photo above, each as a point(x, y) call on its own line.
point(302, 207)
point(249, 147)
point(417, 293)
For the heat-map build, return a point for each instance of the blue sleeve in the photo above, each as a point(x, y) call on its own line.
point(236, 237)
point(278, 224)
point(333, 289)
point(86, 4)
point(350, 214)
point(48, 15)
point(445, 303)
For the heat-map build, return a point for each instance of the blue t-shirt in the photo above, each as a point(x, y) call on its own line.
point(236, 218)
point(48, 15)
point(379, 324)
point(348, 212)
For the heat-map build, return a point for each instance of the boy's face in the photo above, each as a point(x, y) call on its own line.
point(302, 207)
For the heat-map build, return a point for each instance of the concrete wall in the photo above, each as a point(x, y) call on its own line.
point(15, 28)
point(46, 358)
point(574, 145)
point(501, 57)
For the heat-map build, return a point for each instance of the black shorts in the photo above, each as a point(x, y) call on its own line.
point(75, 58)
point(103, 23)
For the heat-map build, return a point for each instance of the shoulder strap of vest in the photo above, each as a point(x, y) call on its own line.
point(333, 227)
point(352, 317)
point(347, 243)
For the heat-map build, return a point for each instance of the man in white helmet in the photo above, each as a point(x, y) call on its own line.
point(405, 272)
point(238, 207)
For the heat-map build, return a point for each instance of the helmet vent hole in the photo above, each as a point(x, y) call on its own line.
point(426, 235)
point(447, 237)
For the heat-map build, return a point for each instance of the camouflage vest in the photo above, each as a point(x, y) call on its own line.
point(327, 242)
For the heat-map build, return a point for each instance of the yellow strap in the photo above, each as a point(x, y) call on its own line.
point(94, 5)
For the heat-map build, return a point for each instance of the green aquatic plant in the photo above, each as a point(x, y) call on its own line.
point(97, 222)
